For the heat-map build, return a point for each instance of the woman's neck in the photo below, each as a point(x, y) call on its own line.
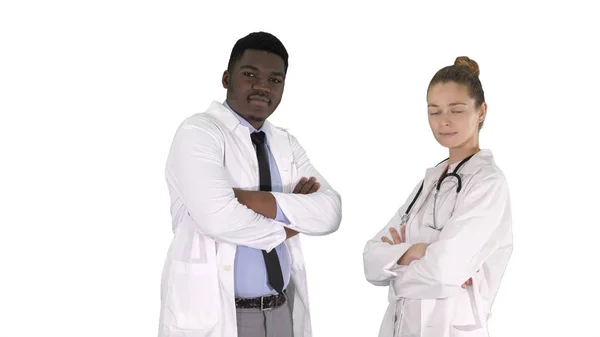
point(460, 153)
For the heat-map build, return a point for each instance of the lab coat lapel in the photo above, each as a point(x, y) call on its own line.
point(279, 145)
point(244, 142)
point(241, 137)
point(431, 177)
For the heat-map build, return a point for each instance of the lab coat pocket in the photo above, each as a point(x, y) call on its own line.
point(468, 331)
point(193, 297)
point(470, 319)
point(464, 309)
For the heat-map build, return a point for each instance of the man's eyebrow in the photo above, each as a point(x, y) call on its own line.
point(249, 67)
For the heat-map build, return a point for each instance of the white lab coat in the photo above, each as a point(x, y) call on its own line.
point(425, 297)
point(211, 154)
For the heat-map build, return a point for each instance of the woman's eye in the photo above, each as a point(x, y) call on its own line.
point(456, 111)
point(434, 113)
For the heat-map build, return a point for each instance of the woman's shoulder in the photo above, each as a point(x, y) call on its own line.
point(485, 168)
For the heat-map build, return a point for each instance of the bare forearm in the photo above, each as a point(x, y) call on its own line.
point(260, 202)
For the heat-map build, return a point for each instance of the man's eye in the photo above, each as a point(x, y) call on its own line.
point(248, 74)
point(276, 80)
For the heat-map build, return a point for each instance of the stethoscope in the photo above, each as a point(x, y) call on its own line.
point(438, 184)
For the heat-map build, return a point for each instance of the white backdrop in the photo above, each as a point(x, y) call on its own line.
point(91, 94)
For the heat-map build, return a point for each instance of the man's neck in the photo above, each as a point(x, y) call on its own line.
point(257, 125)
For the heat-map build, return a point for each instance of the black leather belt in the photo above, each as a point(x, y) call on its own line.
point(262, 303)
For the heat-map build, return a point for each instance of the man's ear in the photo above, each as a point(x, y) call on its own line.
point(225, 79)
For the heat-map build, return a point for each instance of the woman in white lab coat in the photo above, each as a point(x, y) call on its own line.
point(444, 253)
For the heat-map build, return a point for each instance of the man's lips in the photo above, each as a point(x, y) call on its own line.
point(259, 98)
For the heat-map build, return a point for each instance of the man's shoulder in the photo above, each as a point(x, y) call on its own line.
point(283, 133)
point(202, 120)
point(208, 117)
point(202, 123)
point(279, 129)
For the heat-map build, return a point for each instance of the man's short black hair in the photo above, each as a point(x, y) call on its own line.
point(258, 41)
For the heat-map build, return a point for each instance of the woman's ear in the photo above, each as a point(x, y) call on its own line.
point(482, 112)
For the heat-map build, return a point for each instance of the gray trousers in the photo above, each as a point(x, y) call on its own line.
point(275, 322)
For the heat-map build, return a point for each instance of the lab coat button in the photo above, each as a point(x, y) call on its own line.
point(227, 268)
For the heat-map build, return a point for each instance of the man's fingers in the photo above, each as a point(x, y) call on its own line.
point(314, 188)
point(306, 188)
point(386, 240)
point(395, 235)
point(403, 232)
point(309, 184)
point(300, 184)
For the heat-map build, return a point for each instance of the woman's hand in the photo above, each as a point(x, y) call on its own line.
point(398, 238)
point(415, 252)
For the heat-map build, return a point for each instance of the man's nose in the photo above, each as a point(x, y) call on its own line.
point(261, 85)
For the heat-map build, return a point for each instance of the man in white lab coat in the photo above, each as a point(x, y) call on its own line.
point(241, 191)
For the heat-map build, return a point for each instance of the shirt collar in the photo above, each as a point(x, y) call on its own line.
point(242, 120)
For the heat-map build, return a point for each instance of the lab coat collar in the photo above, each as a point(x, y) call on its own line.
point(242, 120)
point(218, 110)
point(433, 174)
point(470, 167)
point(277, 138)
point(227, 117)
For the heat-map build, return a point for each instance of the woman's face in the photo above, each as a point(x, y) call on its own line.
point(453, 117)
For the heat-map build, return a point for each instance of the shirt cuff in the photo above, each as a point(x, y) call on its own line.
point(280, 216)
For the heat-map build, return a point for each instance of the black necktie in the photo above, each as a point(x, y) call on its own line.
point(274, 274)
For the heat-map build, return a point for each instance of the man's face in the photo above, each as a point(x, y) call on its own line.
point(255, 85)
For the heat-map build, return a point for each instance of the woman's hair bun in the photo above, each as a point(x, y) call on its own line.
point(463, 61)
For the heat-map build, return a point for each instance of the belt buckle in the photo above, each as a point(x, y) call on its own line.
point(262, 304)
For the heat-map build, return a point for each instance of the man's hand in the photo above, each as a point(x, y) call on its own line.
point(307, 186)
point(255, 201)
point(289, 233)
point(264, 202)
point(304, 186)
